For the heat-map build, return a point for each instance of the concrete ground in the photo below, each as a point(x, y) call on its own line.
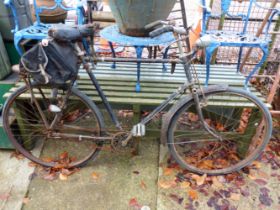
point(123, 181)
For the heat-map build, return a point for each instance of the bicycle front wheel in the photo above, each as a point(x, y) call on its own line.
point(65, 145)
point(240, 124)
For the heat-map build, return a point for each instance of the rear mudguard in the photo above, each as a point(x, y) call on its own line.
point(167, 118)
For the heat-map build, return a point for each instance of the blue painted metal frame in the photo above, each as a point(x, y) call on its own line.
point(112, 34)
point(239, 39)
point(39, 30)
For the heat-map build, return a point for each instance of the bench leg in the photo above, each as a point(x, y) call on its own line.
point(256, 68)
point(136, 119)
point(139, 50)
point(17, 39)
point(164, 68)
point(209, 52)
point(239, 60)
point(113, 54)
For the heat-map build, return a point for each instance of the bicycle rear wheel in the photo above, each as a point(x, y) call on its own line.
point(30, 136)
point(242, 125)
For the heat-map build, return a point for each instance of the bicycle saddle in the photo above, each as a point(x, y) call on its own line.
point(62, 32)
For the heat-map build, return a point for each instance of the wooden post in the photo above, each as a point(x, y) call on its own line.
point(136, 119)
point(274, 87)
point(185, 23)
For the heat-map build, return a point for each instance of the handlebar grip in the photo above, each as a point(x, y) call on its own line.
point(153, 24)
point(160, 31)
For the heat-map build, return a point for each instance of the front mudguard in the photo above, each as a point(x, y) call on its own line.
point(167, 118)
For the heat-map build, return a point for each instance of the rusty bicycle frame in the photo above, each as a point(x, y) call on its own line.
point(185, 59)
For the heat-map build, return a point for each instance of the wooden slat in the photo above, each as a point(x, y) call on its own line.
point(119, 84)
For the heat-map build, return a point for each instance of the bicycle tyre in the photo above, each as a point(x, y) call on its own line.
point(26, 130)
point(193, 151)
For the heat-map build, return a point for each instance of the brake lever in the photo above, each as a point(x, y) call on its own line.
point(156, 24)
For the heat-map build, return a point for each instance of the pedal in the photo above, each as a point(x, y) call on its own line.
point(139, 130)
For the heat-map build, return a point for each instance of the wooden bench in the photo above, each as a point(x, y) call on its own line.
point(119, 84)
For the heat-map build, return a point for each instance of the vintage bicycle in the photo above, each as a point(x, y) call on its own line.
point(206, 130)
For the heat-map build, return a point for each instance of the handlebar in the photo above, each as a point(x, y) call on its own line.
point(161, 30)
point(155, 24)
point(165, 27)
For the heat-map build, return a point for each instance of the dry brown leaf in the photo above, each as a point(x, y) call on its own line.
point(256, 164)
point(199, 179)
point(220, 127)
point(167, 171)
point(263, 175)
point(235, 196)
point(216, 182)
point(63, 177)
point(143, 185)
point(134, 203)
point(5, 196)
point(193, 194)
point(166, 184)
point(25, 200)
point(252, 175)
point(17, 155)
point(32, 164)
point(206, 164)
point(63, 155)
point(184, 185)
point(47, 159)
point(95, 175)
point(193, 117)
point(50, 176)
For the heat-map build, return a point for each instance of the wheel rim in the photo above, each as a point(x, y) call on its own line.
point(198, 151)
point(29, 135)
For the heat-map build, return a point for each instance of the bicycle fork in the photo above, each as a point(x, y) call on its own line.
point(198, 106)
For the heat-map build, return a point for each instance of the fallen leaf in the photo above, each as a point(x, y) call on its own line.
point(252, 175)
point(134, 203)
point(63, 177)
point(50, 176)
point(260, 182)
point(199, 179)
point(184, 185)
point(176, 198)
point(63, 155)
point(95, 175)
point(235, 196)
point(68, 172)
point(216, 182)
point(265, 199)
point(193, 117)
point(245, 192)
point(166, 184)
point(256, 164)
point(5, 196)
point(206, 164)
point(220, 127)
point(167, 171)
point(143, 185)
point(263, 175)
point(17, 155)
point(48, 159)
point(32, 164)
point(193, 194)
point(25, 200)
